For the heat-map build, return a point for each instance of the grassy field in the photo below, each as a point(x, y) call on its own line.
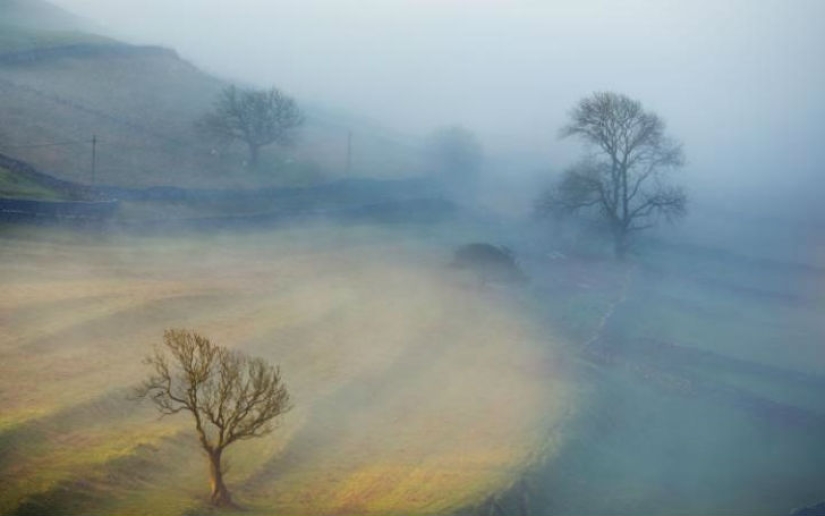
point(414, 392)
point(142, 107)
point(682, 382)
point(15, 186)
point(704, 380)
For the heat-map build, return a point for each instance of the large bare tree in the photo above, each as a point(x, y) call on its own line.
point(623, 177)
point(230, 396)
point(254, 117)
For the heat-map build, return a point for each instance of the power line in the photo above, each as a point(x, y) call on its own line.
point(349, 152)
point(94, 156)
point(97, 145)
point(93, 141)
point(38, 145)
point(100, 143)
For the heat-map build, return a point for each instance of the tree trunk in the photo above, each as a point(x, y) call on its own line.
point(620, 244)
point(220, 495)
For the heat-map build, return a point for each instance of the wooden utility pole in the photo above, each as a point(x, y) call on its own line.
point(94, 156)
point(349, 152)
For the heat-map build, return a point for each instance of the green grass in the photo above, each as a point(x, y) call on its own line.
point(143, 109)
point(704, 428)
point(645, 450)
point(733, 315)
point(412, 393)
point(345, 311)
point(14, 186)
point(17, 39)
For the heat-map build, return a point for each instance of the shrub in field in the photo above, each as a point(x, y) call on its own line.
point(489, 263)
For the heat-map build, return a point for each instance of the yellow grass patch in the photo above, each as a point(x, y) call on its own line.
point(413, 393)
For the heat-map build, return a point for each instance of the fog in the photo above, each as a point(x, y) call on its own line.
point(409, 389)
point(560, 376)
point(739, 82)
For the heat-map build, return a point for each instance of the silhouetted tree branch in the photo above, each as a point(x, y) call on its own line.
point(623, 179)
point(230, 396)
point(255, 117)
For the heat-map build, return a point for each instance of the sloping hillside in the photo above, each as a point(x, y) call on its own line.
point(40, 15)
point(60, 87)
point(13, 185)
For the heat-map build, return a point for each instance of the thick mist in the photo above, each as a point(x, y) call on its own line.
point(738, 82)
point(410, 391)
point(686, 376)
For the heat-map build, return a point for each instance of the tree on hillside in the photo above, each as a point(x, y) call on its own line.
point(255, 117)
point(230, 396)
point(623, 178)
point(455, 153)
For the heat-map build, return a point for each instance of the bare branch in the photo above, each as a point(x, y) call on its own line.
point(231, 396)
point(255, 117)
point(624, 176)
point(668, 202)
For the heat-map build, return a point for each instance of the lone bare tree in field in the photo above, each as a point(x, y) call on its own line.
point(231, 396)
point(255, 117)
point(623, 178)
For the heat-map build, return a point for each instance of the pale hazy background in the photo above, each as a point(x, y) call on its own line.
point(739, 82)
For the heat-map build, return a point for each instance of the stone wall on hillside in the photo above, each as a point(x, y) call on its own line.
point(81, 50)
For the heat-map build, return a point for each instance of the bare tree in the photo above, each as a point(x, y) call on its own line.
point(255, 117)
point(623, 177)
point(231, 396)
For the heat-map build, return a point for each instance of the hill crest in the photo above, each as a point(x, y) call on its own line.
point(59, 88)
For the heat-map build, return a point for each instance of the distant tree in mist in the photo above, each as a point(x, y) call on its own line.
point(455, 154)
point(255, 117)
point(230, 396)
point(623, 177)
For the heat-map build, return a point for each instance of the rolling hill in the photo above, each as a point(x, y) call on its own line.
point(14, 185)
point(34, 14)
point(61, 84)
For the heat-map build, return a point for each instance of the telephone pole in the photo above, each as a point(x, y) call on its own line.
point(94, 156)
point(349, 152)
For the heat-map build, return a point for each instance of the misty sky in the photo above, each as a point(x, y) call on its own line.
point(739, 82)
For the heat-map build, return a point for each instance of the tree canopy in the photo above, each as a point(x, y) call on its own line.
point(255, 117)
point(623, 177)
point(230, 396)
